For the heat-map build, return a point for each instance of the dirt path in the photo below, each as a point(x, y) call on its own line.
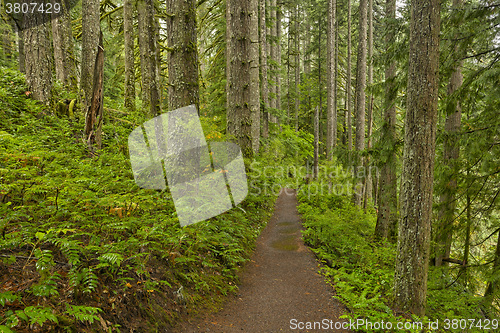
point(280, 283)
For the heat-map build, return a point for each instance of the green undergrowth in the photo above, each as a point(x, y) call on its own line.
point(362, 270)
point(84, 249)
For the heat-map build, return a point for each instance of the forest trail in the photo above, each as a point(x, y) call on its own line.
point(280, 283)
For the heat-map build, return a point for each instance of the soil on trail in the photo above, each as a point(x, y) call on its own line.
point(280, 284)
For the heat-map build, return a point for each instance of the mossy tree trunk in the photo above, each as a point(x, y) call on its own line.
point(147, 46)
point(278, 55)
point(242, 54)
point(263, 68)
point(273, 59)
point(367, 192)
point(20, 48)
point(95, 112)
point(38, 57)
point(349, 84)
point(183, 87)
point(360, 98)
point(62, 41)
point(412, 258)
point(90, 42)
point(331, 108)
point(296, 63)
point(128, 36)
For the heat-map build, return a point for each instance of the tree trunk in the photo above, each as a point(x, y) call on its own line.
point(21, 56)
point(463, 269)
point(412, 259)
point(94, 115)
point(316, 143)
point(331, 108)
point(242, 72)
point(320, 85)
point(297, 67)
point(183, 87)
point(263, 69)
point(62, 41)
point(272, 69)
point(278, 57)
point(147, 47)
point(288, 50)
point(160, 81)
point(349, 84)
point(58, 43)
point(360, 97)
point(451, 151)
point(335, 76)
point(369, 115)
point(128, 36)
point(387, 188)
point(254, 75)
point(90, 42)
point(307, 62)
point(38, 57)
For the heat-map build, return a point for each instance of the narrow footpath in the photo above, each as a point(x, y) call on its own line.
point(281, 289)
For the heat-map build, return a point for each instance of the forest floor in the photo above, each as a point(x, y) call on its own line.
point(281, 289)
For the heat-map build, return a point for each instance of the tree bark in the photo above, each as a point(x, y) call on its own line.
point(316, 143)
point(38, 57)
point(307, 62)
point(62, 41)
point(147, 47)
point(464, 271)
point(263, 69)
point(128, 36)
point(412, 259)
point(349, 84)
point(288, 50)
point(242, 54)
point(331, 108)
point(387, 188)
point(273, 69)
point(297, 66)
point(183, 86)
point(94, 115)
point(90, 42)
point(59, 44)
point(360, 97)
point(369, 115)
point(21, 57)
point(278, 57)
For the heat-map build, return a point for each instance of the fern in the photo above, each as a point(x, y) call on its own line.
point(89, 280)
point(85, 278)
point(83, 313)
point(39, 315)
point(47, 287)
point(44, 262)
point(110, 259)
point(70, 249)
